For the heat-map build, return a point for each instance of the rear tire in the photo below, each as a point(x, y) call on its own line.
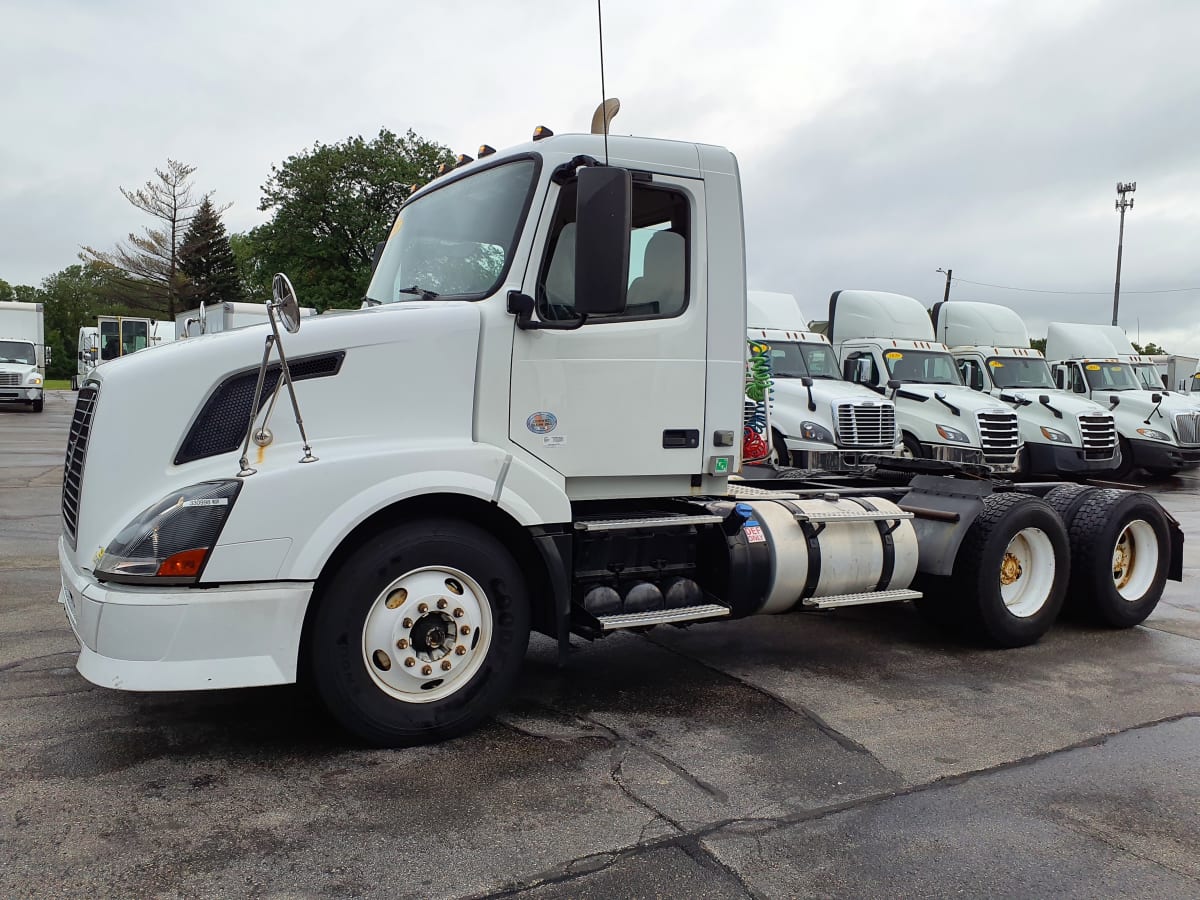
point(1010, 574)
point(1120, 549)
point(419, 634)
point(1066, 499)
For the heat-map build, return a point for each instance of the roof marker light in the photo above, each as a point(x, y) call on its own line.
point(444, 168)
point(542, 132)
point(462, 159)
point(485, 150)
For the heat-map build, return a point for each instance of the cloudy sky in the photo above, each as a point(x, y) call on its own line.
point(878, 141)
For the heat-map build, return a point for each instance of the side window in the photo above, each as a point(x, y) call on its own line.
point(971, 373)
point(1075, 382)
point(658, 257)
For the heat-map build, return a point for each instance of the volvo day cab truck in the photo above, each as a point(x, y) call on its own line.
point(818, 420)
point(1159, 429)
point(1063, 433)
point(534, 427)
point(24, 354)
point(224, 317)
point(886, 342)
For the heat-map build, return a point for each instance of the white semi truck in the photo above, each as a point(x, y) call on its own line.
point(818, 420)
point(886, 342)
point(518, 436)
point(24, 354)
point(1063, 433)
point(224, 317)
point(113, 337)
point(1159, 429)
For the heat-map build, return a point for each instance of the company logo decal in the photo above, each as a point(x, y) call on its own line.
point(894, 354)
point(542, 422)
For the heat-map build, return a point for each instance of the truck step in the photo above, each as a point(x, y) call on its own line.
point(663, 616)
point(646, 522)
point(863, 516)
point(838, 600)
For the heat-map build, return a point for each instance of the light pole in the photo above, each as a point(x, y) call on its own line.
point(1123, 203)
point(947, 273)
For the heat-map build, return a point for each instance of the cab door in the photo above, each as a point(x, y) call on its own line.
point(624, 394)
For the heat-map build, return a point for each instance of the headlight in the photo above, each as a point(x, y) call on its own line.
point(811, 431)
point(952, 434)
point(169, 542)
point(35, 380)
point(1053, 434)
point(1151, 433)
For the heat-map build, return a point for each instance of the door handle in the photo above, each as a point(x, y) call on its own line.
point(681, 438)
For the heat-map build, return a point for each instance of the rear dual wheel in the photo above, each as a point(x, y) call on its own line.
point(419, 634)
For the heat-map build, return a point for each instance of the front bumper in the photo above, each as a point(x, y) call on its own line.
point(20, 394)
point(972, 455)
point(1164, 457)
point(1056, 459)
point(806, 455)
point(180, 638)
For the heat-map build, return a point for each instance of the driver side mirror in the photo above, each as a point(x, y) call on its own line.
point(603, 216)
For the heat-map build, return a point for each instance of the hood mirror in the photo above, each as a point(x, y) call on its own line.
point(283, 299)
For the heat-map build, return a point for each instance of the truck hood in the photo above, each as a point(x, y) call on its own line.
point(404, 371)
point(22, 369)
point(1138, 404)
point(827, 390)
point(964, 398)
point(1070, 405)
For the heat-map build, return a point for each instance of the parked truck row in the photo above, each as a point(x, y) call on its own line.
point(574, 471)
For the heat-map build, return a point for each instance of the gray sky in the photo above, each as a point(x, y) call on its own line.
point(877, 141)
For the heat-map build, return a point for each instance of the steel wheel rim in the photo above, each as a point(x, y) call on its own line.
point(1027, 572)
point(426, 634)
point(1135, 560)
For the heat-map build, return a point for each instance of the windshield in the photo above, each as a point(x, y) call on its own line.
point(1149, 376)
point(457, 240)
point(1111, 376)
point(921, 367)
point(1020, 372)
point(792, 360)
point(17, 352)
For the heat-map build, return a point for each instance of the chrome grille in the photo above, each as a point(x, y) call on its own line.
point(1187, 428)
point(999, 434)
point(77, 441)
point(866, 424)
point(1099, 434)
point(9, 379)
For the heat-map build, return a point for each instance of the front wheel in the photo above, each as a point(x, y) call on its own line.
point(912, 447)
point(37, 405)
point(419, 635)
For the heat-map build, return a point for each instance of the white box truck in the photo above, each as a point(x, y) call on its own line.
point(886, 342)
point(226, 316)
point(818, 420)
point(1159, 429)
point(1064, 434)
point(24, 354)
point(554, 454)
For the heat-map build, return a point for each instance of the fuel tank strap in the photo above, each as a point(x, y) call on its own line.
point(887, 566)
point(812, 537)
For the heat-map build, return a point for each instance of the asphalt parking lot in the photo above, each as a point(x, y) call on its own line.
point(851, 754)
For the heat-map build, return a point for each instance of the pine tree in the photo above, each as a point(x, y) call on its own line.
point(207, 260)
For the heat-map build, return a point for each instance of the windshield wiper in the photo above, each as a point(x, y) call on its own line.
point(419, 291)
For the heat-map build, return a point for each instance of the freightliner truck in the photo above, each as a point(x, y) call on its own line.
point(1159, 429)
point(1063, 433)
point(24, 354)
point(886, 342)
point(534, 426)
point(818, 420)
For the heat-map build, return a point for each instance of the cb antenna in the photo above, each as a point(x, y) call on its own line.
point(603, 92)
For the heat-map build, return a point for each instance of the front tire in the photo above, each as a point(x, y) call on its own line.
point(37, 405)
point(912, 447)
point(1120, 549)
point(419, 634)
point(1125, 469)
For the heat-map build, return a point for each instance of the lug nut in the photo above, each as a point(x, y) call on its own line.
point(426, 670)
point(466, 629)
point(408, 623)
point(460, 650)
point(402, 644)
point(396, 597)
point(423, 608)
point(458, 612)
point(445, 665)
point(442, 603)
point(409, 663)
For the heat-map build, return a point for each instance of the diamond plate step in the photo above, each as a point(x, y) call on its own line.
point(654, 522)
point(837, 600)
point(663, 616)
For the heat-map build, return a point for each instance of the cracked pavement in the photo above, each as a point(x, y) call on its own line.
point(857, 753)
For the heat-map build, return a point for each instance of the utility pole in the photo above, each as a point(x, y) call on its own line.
point(948, 273)
point(1123, 204)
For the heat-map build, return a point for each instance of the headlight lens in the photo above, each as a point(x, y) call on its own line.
point(35, 380)
point(952, 434)
point(1152, 433)
point(1053, 434)
point(169, 542)
point(811, 431)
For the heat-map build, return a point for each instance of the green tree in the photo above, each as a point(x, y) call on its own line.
point(6, 291)
point(331, 205)
point(144, 271)
point(1150, 349)
point(254, 272)
point(72, 298)
point(1038, 344)
point(207, 260)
